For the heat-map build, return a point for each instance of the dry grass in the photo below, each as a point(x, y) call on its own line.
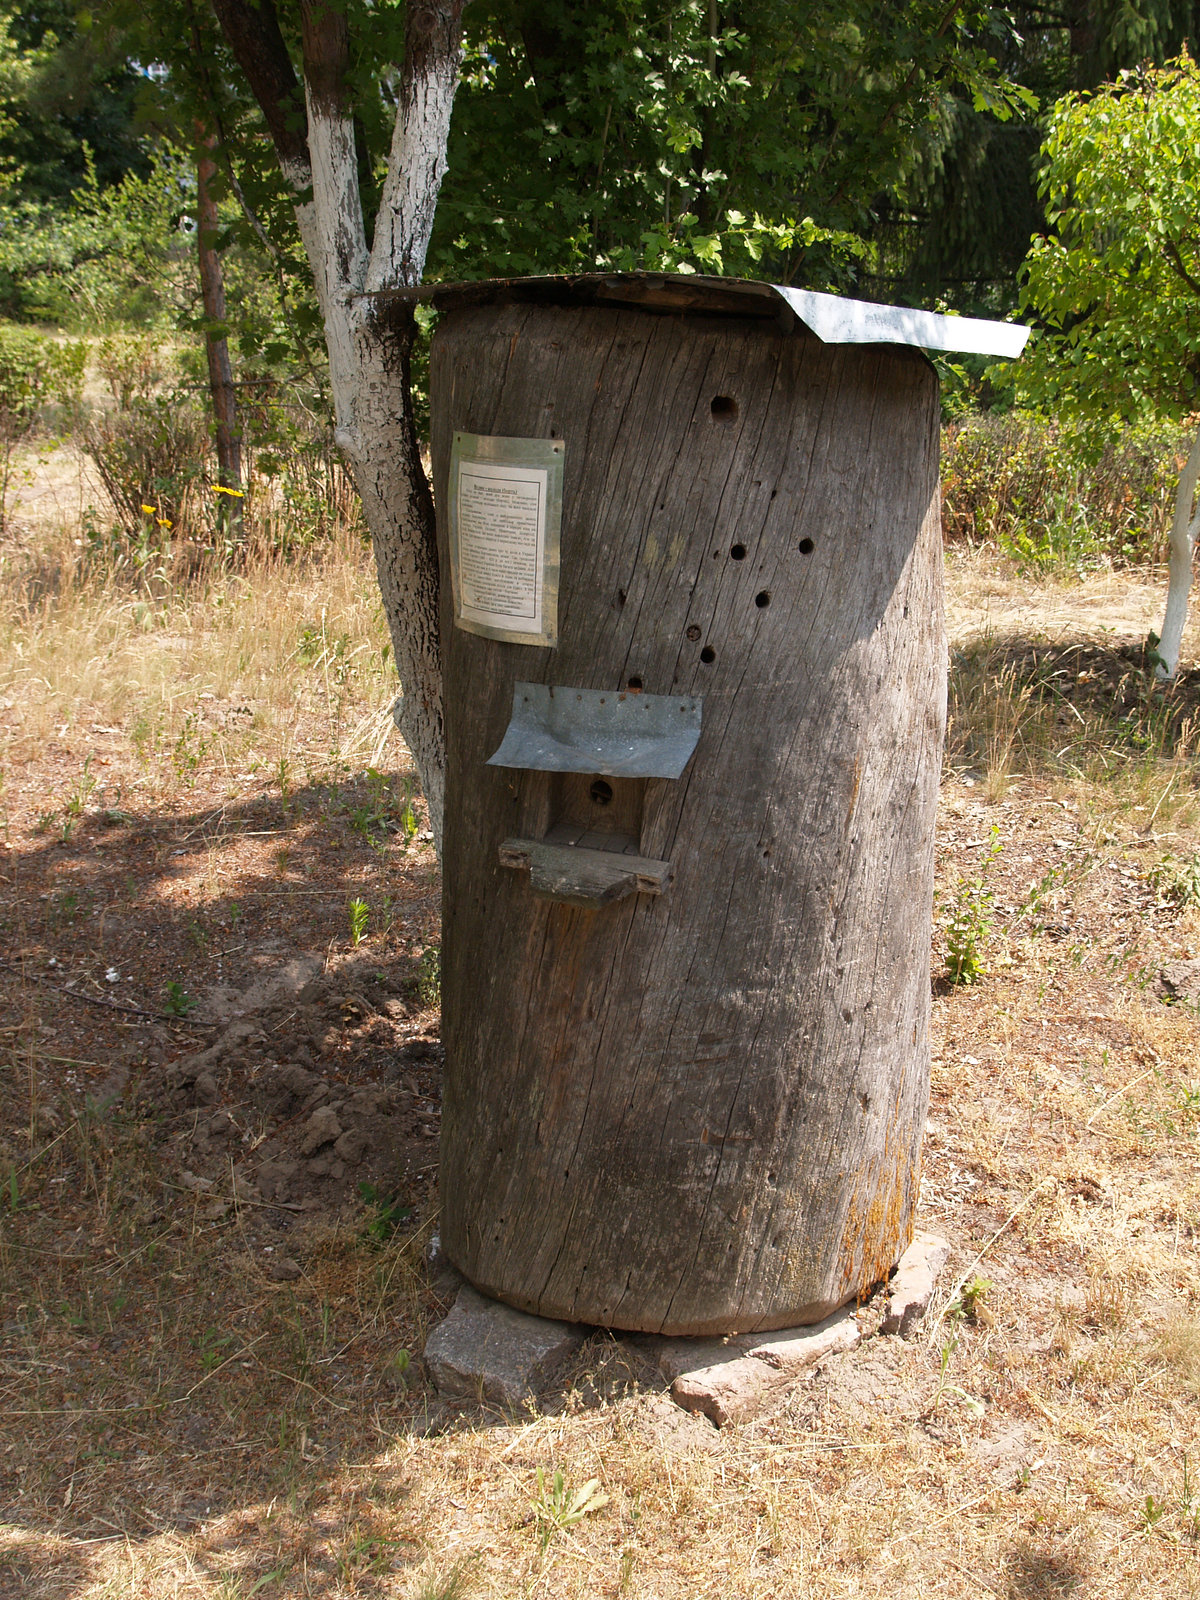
point(89, 640)
point(178, 1424)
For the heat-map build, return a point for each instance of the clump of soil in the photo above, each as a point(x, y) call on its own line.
point(313, 1095)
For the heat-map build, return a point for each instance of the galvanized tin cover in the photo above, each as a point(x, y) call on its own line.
point(833, 318)
point(557, 729)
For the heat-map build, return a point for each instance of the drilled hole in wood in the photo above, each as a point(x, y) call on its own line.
point(693, 633)
point(601, 792)
point(634, 685)
point(805, 547)
point(708, 654)
point(723, 407)
point(737, 552)
point(762, 598)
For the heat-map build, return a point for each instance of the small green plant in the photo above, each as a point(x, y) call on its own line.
point(380, 815)
point(212, 1345)
point(1042, 894)
point(557, 1508)
point(233, 1585)
point(77, 800)
point(970, 921)
point(364, 820)
point(1177, 882)
point(401, 1362)
point(944, 1386)
point(1153, 1511)
point(969, 1301)
point(452, 1586)
point(408, 816)
point(365, 1553)
point(64, 906)
point(1189, 1505)
point(385, 1213)
point(429, 976)
point(358, 912)
point(178, 1002)
point(189, 750)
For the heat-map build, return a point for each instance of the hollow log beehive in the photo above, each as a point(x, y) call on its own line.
point(687, 1066)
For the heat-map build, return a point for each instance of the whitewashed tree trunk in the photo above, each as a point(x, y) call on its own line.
point(1184, 529)
point(369, 348)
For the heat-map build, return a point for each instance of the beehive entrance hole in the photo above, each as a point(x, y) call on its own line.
point(595, 812)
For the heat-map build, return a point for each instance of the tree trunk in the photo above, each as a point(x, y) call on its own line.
point(220, 371)
point(697, 1108)
point(390, 478)
point(1184, 527)
point(369, 350)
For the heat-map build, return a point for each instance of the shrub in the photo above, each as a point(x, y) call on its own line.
point(36, 374)
point(1038, 495)
point(150, 458)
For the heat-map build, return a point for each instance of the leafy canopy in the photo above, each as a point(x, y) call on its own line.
point(1118, 285)
point(757, 140)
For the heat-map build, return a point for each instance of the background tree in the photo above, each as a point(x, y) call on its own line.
point(68, 86)
point(758, 138)
point(959, 226)
point(1118, 283)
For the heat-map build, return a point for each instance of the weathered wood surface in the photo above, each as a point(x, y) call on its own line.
point(582, 874)
point(701, 1111)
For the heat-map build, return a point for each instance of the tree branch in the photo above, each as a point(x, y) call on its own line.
point(251, 29)
point(417, 163)
point(1176, 261)
point(332, 151)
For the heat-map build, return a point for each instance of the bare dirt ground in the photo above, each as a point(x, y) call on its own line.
point(218, 1169)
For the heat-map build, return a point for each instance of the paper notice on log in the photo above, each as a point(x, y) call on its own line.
point(505, 509)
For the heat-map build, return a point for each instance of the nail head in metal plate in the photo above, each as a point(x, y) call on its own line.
point(554, 728)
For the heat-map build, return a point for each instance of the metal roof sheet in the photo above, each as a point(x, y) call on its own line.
point(833, 318)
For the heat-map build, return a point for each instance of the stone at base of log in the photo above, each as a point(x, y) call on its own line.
point(738, 1379)
point(911, 1288)
point(488, 1351)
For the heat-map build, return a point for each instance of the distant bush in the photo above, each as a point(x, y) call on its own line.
point(1049, 501)
point(37, 373)
point(37, 376)
point(150, 457)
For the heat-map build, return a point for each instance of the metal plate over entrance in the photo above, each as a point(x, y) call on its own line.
point(558, 729)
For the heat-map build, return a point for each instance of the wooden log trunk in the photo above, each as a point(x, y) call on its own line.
point(700, 1110)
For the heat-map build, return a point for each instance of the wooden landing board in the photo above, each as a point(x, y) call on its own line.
point(580, 876)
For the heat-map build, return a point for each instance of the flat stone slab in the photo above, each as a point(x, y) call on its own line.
point(738, 1379)
point(911, 1288)
point(487, 1351)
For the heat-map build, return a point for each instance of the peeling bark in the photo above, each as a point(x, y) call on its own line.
point(369, 355)
point(1184, 529)
point(417, 163)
